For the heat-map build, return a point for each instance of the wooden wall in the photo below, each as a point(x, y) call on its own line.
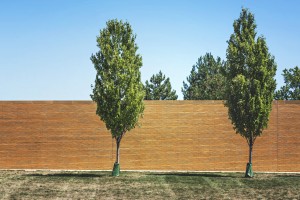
point(174, 135)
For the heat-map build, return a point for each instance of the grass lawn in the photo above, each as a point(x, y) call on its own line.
point(146, 185)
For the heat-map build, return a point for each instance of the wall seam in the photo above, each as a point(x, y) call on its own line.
point(277, 124)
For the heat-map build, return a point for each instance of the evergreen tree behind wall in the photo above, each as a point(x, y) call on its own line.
point(207, 80)
point(159, 88)
point(291, 89)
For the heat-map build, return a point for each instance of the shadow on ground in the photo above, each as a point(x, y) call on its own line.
point(70, 175)
point(210, 175)
point(288, 175)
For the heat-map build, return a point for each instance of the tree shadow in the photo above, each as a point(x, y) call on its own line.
point(180, 174)
point(288, 175)
point(67, 175)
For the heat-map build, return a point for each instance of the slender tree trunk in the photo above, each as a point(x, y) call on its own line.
point(116, 169)
point(250, 152)
point(118, 141)
point(249, 171)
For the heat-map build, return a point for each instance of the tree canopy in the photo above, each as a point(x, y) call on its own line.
point(118, 90)
point(291, 89)
point(206, 81)
point(250, 80)
point(159, 88)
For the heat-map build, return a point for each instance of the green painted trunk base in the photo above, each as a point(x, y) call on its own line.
point(249, 171)
point(116, 170)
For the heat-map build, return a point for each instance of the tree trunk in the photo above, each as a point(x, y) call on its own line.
point(250, 152)
point(249, 171)
point(118, 141)
point(116, 169)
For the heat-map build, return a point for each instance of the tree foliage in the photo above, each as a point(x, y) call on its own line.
point(159, 88)
point(206, 81)
point(291, 89)
point(250, 80)
point(118, 90)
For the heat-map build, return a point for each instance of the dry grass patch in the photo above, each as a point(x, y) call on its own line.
point(138, 185)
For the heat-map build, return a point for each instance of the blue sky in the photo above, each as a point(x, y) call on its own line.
point(45, 45)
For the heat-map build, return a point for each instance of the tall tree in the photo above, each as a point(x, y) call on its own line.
point(291, 89)
point(118, 89)
point(206, 81)
point(159, 88)
point(250, 81)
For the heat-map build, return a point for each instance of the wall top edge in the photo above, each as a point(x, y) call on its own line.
point(46, 102)
point(148, 102)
